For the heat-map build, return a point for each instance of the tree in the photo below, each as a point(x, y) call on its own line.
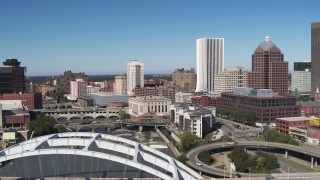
point(60, 128)
point(123, 114)
point(188, 141)
point(239, 156)
point(182, 158)
point(205, 157)
point(43, 125)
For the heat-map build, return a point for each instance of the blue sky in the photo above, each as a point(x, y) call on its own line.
point(101, 36)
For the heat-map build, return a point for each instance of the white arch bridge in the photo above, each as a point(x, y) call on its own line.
point(83, 113)
point(105, 147)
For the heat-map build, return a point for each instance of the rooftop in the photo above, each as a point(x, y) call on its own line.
point(267, 44)
point(298, 118)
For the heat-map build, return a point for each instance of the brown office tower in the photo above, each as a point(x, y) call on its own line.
point(269, 71)
point(315, 56)
point(12, 77)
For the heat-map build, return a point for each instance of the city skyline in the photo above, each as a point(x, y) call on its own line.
point(100, 37)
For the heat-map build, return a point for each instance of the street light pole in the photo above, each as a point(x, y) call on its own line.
point(288, 172)
point(249, 174)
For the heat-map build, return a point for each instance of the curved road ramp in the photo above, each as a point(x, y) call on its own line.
point(193, 160)
point(89, 155)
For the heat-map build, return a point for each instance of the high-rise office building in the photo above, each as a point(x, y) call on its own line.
point(210, 61)
point(301, 66)
point(301, 77)
point(62, 82)
point(184, 80)
point(315, 56)
point(135, 75)
point(230, 78)
point(12, 77)
point(269, 70)
point(78, 88)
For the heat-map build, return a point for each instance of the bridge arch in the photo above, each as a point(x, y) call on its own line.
point(62, 118)
point(101, 117)
point(75, 117)
point(87, 117)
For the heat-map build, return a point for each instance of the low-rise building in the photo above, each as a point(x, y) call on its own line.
point(13, 114)
point(284, 124)
point(262, 102)
point(205, 99)
point(149, 104)
point(192, 117)
point(181, 97)
point(155, 91)
point(102, 99)
point(30, 100)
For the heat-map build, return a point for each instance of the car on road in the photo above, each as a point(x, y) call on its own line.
point(199, 164)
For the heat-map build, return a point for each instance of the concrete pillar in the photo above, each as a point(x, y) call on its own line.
point(200, 173)
point(315, 163)
point(286, 154)
point(140, 128)
point(311, 162)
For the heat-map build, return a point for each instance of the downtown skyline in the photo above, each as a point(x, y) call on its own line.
point(101, 37)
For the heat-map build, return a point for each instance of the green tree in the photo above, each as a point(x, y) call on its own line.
point(239, 156)
point(205, 157)
point(188, 141)
point(182, 158)
point(43, 125)
point(60, 128)
point(123, 114)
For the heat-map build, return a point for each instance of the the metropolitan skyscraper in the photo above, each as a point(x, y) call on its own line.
point(210, 61)
point(315, 56)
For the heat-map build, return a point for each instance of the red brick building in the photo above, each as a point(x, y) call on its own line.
point(284, 124)
point(204, 100)
point(31, 100)
point(310, 108)
point(266, 109)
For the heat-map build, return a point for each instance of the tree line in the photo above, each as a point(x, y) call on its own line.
point(244, 117)
point(272, 135)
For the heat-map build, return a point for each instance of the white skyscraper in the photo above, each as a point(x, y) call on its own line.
point(135, 75)
point(210, 61)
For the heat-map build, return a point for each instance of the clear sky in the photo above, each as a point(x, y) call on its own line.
point(102, 36)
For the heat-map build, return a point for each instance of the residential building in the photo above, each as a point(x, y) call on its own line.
point(230, 78)
point(184, 80)
point(301, 77)
point(315, 56)
point(62, 82)
point(135, 76)
point(30, 100)
point(210, 61)
point(120, 84)
point(78, 88)
point(45, 89)
point(155, 91)
point(269, 70)
point(149, 104)
point(262, 102)
point(12, 77)
point(193, 118)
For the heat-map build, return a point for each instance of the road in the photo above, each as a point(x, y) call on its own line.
point(192, 155)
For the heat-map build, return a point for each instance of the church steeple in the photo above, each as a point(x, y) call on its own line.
point(317, 95)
